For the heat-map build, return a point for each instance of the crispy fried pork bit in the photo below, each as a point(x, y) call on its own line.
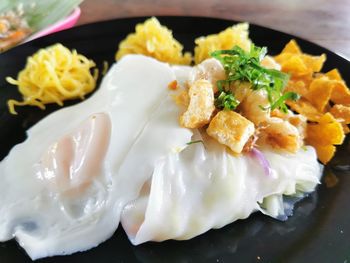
point(201, 106)
point(231, 129)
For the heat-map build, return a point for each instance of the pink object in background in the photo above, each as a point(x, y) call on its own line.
point(63, 24)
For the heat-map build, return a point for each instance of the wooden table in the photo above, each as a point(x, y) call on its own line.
point(325, 22)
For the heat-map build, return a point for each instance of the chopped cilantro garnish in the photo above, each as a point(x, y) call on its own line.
point(193, 142)
point(279, 103)
point(240, 65)
point(304, 148)
point(226, 100)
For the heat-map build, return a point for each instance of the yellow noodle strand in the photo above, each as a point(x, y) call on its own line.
point(52, 75)
point(152, 39)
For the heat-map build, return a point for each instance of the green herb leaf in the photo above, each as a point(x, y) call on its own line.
point(226, 101)
point(240, 65)
point(193, 142)
point(280, 102)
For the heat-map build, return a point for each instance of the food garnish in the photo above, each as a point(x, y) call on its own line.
point(226, 100)
point(152, 39)
point(325, 99)
point(240, 65)
point(231, 129)
point(172, 85)
point(193, 142)
point(259, 156)
point(52, 75)
point(237, 35)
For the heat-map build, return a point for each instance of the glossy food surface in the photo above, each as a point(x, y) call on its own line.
point(319, 229)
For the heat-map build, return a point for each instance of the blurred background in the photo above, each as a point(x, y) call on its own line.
point(324, 22)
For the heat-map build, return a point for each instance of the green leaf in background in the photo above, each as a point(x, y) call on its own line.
point(41, 13)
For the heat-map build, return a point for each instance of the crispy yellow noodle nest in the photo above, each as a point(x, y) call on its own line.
point(154, 40)
point(230, 37)
point(52, 75)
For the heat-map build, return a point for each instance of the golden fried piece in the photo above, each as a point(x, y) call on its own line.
point(201, 105)
point(319, 93)
point(325, 152)
point(299, 65)
point(280, 134)
point(298, 86)
point(305, 108)
point(326, 131)
point(292, 47)
point(231, 129)
point(334, 74)
point(295, 67)
point(323, 135)
point(340, 93)
point(315, 63)
point(341, 113)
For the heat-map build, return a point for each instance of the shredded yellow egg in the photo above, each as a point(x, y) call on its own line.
point(235, 35)
point(154, 40)
point(52, 75)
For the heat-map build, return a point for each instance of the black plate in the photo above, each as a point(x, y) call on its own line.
point(319, 231)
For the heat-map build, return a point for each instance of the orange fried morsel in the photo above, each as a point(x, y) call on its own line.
point(298, 86)
point(323, 135)
point(319, 93)
point(295, 66)
point(315, 63)
point(304, 107)
point(292, 47)
point(325, 152)
point(294, 62)
point(326, 131)
point(341, 112)
point(334, 74)
point(340, 93)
